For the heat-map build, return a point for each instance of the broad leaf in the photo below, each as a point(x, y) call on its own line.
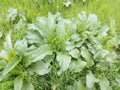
point(28, 85)
point(64, 62)
point(37, 54)
point(77, 66)
point(21, 46)
point(104, 84)
point(20, 25)
point(85, 53)
point(41, 67)
point(79, 85)
point(18, 83)
point(75, 53)
point(3, 54)
point(90, 80)
point(15, 61)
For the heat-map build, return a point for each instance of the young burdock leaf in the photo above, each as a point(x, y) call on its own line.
point(92, 23)
point(69, 46)
point(12, 14)
point(77, 66)
point(104, 84)
point(85, 53)
point(11, 65)
point(41, 67)
point(103, 32)
point(82, 16)
point(51, 22)
point(37, 54)
point(21, 46)
point(28, 85)
point(80, 65)
point(90, 80)
point(20, 25)
point(8, 43)
point(64, 62)
point(3, 54)
point(79, 85)
point(18, 83)
point(76, 37)
point(33, 37)
point(75, 53)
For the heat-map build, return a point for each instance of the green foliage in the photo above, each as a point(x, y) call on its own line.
point(54, 53)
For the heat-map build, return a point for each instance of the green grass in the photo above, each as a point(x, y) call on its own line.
point(105, 9)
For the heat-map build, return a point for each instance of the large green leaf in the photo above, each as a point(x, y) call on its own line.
point(18, 83)
point(37, 54)
point(41, 67)
point(28, 85)
point(75, 53)
point(78, 85)
point(90, 80)
point(11, 65)
point(64, 62)
point(77, 66)
point(21, 46)
point(104, 84)
point(3, 54)
point(85, 53)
